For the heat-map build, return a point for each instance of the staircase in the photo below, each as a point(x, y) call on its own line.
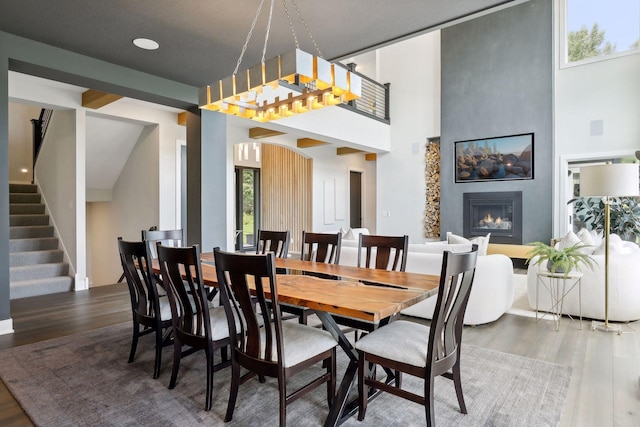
point(36, 264)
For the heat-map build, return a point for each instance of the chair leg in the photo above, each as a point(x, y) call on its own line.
point(331, 384)
point(398, 375)
point(363, 390)
point(458, 385)
point(233, 390)
point(428, 404)
point(156, 367)
point(207, 406)
point(177, 355)
point(282, 389)
point(134, 340)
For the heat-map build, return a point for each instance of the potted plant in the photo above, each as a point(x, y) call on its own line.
point(624, 218)
point(560, 260)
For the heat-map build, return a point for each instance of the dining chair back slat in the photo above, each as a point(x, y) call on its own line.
point(273, 241)
point(383, 252)
point(321, 247)
point(174, 238)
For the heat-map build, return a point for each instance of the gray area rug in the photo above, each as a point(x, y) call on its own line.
point(85, 380)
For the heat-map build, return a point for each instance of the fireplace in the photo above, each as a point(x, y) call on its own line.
point(498, 213)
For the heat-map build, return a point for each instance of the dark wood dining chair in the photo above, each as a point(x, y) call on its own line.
point(173, 238)
point(321, 247)
point(150, 311)
point(316, 247)
point(402, 345)
point(265, 345)
point(273, 241)
point(383, 252)
point(196, 326)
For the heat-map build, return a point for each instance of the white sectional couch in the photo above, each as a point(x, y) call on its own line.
point(624, 288)
point(492, 292)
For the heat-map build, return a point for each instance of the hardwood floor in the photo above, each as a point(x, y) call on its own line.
point(604, 388)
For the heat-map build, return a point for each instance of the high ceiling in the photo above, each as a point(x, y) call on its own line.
point(200, 40)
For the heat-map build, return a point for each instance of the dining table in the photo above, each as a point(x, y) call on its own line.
point(346, 295)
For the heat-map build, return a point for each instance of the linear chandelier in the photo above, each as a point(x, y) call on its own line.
point(291, 83)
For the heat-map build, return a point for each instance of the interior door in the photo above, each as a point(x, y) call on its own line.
point(355, 199)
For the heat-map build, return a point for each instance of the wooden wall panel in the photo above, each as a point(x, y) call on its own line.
point(286, 192)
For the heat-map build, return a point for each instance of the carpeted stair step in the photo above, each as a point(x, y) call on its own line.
point(31, 231)
point(17, 259)
point(17, 220)
point(26, 208)
point(35, 244)
point(39, 271)
point(29, 288)
point(23, 188)
point(33, 198)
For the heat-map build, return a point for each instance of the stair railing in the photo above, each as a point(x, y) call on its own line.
point(40, 126)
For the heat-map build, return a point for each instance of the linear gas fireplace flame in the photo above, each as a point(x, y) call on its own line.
point(498, 213)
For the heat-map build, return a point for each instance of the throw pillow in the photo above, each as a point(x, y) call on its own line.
point(453, 239)
point(482, 242)
point(569, 239)
point(348, 235)
point(587, 239)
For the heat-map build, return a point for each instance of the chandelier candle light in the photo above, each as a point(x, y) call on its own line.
point(291, 83)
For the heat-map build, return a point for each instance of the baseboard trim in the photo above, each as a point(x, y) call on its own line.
point(81, 283)
point(6, 326)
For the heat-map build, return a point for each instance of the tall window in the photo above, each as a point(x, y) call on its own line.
point(247, 207)
point(595, 29)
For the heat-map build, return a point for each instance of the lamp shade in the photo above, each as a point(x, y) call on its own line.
point(613, 180)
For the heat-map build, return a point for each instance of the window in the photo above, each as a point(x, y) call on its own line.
point(247, 207)
point(596, 29)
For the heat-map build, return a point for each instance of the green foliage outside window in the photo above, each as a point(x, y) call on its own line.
point(585, 44)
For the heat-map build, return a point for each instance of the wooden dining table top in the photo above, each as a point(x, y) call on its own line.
point(396, 279)
point(341, 297)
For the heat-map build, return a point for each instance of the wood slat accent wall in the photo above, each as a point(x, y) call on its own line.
point(286, 192)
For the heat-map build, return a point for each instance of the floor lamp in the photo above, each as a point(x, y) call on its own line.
point(609, 180)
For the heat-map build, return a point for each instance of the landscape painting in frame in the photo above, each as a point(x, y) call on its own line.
point(495, 159)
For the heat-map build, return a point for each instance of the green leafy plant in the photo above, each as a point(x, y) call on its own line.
point(560, 260)
point(624, 215)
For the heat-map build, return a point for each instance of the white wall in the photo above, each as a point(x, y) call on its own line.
point(334, 170)
point(413, 68)
point(133, 208)
point(21, 141)
point(165, 165)
point(56, 175)
point(606, 91)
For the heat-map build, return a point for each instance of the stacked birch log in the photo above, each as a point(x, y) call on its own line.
point(432, 180)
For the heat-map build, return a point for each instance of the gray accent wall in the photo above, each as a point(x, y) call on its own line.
point(497, 79)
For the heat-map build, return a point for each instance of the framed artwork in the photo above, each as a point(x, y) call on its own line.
point(501, 158)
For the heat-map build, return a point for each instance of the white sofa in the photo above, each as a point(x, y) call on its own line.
point(492, 292)
point(624, 288)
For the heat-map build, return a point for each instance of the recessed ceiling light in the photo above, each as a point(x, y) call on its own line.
point(147, 44)
point(24, 170)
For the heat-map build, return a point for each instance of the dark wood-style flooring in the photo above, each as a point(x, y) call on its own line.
point(604, 389)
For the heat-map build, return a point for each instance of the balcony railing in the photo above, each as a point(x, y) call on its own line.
point(374, 101)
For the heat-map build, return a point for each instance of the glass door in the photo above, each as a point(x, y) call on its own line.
point(247, 208)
